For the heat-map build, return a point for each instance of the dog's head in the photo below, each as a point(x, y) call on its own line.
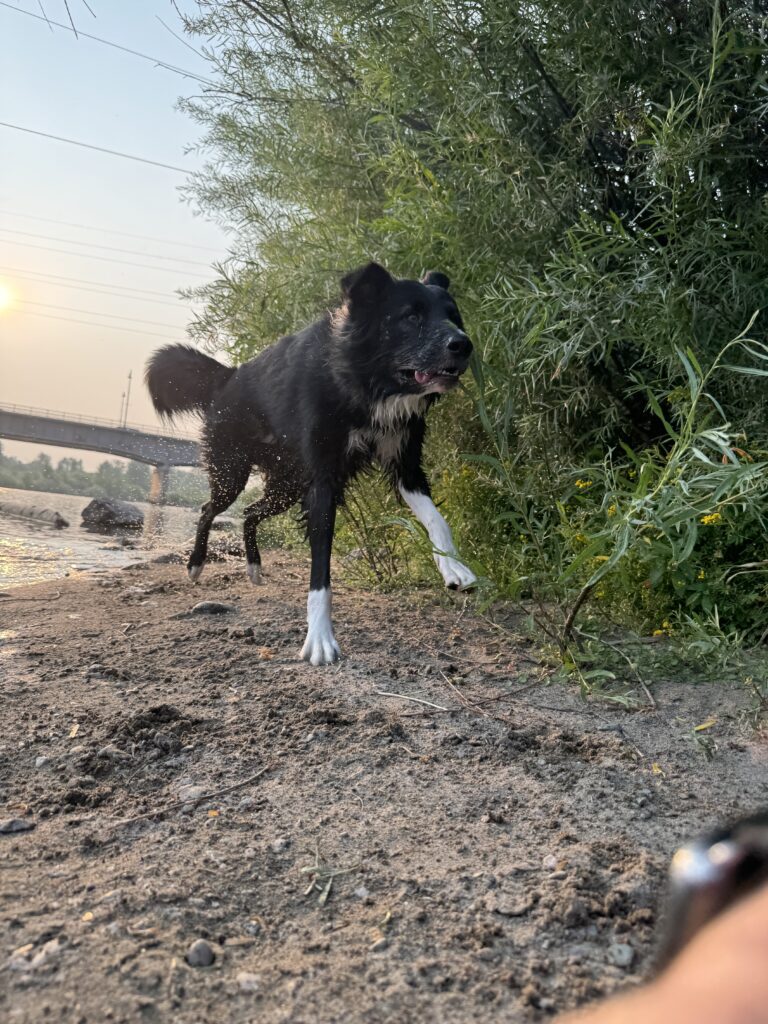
point(409, 334)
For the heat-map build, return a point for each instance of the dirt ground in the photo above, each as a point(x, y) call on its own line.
point(346, 854)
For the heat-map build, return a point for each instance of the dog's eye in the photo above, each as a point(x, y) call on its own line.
point(412, 317)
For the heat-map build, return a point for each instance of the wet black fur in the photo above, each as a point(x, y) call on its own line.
point(291, 410)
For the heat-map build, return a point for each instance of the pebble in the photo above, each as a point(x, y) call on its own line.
point(212, 608)
point(280, 845)
point(200, 954)
point(41, 762)
point(246, 804)
point(191, 794)
point(247, 982)
point(362, 893)
point(113, 753)
point(379, 945)
point(508, 906)
point(550, 862)
point(8, 825)
point(621, 954)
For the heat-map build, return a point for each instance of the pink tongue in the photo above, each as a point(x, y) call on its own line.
point(422, 377)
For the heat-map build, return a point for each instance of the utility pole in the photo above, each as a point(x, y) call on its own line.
point(122, 403)
point(127, 398)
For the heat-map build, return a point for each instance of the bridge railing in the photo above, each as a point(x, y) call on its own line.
point(96, 421)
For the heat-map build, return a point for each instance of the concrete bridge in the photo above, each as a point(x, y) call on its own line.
point(140, 443)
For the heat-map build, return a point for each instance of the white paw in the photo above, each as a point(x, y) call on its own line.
point(254, 573)
point(320, 647)
point(194, 572)
point(456, 575)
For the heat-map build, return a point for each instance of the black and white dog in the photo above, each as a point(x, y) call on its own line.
point(318, 407)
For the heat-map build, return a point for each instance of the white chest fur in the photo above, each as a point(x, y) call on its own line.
point(383, 437)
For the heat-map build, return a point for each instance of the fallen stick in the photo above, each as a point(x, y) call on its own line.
point(200, 800)
point(416, 700)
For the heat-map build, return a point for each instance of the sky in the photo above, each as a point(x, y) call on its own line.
point(103, 223)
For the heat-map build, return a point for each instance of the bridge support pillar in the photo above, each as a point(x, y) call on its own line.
point(158, 484)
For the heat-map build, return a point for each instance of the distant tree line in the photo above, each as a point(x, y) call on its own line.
point(113, 479)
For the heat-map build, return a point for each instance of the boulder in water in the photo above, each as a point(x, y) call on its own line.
point(110, 514)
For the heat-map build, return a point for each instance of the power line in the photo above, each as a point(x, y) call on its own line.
point(84, 281)
point(96, 312)
point(105, 231)
point(98, 149)
point(90, 323)
point(116, 46)
point(106, 248)
point(99, 291)
point(105, 259)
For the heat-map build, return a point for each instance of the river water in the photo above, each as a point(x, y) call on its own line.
point(32, 551)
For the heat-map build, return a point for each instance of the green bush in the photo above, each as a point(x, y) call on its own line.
point(593, 176)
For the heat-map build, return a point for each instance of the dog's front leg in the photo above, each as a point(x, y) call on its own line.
point(320, 647)
point(456, 575)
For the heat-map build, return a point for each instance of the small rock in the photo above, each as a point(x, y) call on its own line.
point(9, 825)
point(361, 893)
point(246, 804)
point(247, 982)
point(379, 945)
point(621, 954)
point(200, 954)
point(113, 753)
point(212, 608)
point(280, 845)
point(508, 906)
point(550, 862)
point(191, 794)
point(41, 762)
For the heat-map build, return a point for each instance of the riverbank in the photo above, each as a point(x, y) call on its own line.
point(347, 853)
point(32, 550)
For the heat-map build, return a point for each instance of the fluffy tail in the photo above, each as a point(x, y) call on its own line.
point(181, 379)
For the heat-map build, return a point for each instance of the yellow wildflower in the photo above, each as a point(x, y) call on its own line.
point(583, 484)
point(658, 632)
point(702, 575)
point(611, 510)
point(712, 519)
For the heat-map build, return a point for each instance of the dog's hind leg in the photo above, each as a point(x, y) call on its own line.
point(276, 500)
point(320, 647)
point(226, 485)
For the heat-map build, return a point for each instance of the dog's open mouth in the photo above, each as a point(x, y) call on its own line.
point(445, 378)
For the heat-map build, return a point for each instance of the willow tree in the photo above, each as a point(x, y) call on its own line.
point(593, 177)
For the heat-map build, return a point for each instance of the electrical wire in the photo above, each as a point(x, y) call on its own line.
point(98, 149)
point(105, 248)
point(73, 281)
point(96, 312)
point(90, 323)
point(104, 231)
point(107, 42)
point(55, 278)
point(105, 259)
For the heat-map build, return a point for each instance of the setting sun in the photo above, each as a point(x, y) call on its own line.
point(6, 297)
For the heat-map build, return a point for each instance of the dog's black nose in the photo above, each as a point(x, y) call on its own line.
point(459, 345)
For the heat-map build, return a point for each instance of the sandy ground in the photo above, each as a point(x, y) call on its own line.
point(345, 854)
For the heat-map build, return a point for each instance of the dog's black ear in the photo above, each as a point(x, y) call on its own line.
point(434, 277)
point(366, 283)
